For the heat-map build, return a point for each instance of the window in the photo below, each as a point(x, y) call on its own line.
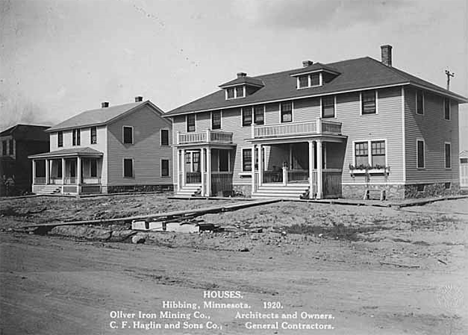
point(128, 135)
point(378, 153)
point(361, 153)
point(369, 105)
point(164, 167)
point(376, 159)
point(128, 167)
point(328, 107)
point(303, 81)
point(448, 155)
point(420, 154)
point(259, 114)
point(308, 80)
point(230, 93)
point(246, 160)
point(286, 112)
point(93, 168)
point(315, 79)
point(216, 120)
point(247, 116)
point(59, 168)
point(239, 91)
point(10, 147)
point(420, 102)
point(164, 137)
point(60, 139)
point(93, 135)
point(191, 123)
point(447, 108)
point(4, 148)
point(76, 137)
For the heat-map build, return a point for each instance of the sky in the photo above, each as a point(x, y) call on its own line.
point(61, 57)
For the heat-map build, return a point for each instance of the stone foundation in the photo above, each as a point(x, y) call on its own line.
point(140, 188)
point(357, 191)
point(242, 190)
point(431, 190)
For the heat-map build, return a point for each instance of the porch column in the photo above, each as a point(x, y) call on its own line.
point(63, 171)
point(319, 170)
point(208, 172)
point(182, 168)
point(311, 169)
point(178, 168)
point(253, 167)
point(260, 165)
point(47, 172)
point(78, 171)
point(203, 175)
point(34, 171)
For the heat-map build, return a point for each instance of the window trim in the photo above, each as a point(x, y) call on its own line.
point(133, 167)
point(281, 112)
point(123, 135)
point(417, 154)
point(251, 116)
point(376, 91)
point(369, 149)
point(168, 167)
point(334, 108)
point(220, 119)
point(242, 161)
point(449, 101)
point(445, 156)
point(194, 123)
point(423, 102)
point(11, 151)
point(161, 137)
point(91, 135)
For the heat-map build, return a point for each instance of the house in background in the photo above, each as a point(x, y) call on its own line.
point(107, 150)
point(323, 130)
point(17, 143)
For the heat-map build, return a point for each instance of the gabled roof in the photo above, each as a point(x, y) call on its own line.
point(27, 132)
point(69, 152)
point(355, 74)
point(102, 116)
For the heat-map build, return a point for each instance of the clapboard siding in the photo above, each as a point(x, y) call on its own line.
point(435, 130)
point(306, 110)
point(146, 151)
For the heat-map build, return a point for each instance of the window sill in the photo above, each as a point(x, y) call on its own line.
point(245, 174)
point(370, 171)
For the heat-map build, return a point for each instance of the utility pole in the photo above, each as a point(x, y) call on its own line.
point(449, 74)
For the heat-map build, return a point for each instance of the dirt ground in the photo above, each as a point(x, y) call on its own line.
point(281, 268)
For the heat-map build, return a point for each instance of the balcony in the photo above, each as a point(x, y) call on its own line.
point(206, 137)
point(318, 127)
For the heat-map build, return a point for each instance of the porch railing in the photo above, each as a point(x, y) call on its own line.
point(208, 136)
point(298, 175)
point(91, 180)
point(193, 177)
point(70, 180)
point(273, 176)
point(317, 127)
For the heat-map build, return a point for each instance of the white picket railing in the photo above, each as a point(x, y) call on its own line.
point(208, 136)
point(290, 129)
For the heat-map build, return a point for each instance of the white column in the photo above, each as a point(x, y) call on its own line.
point(178, 167)
point(34, 171)
point(182, 168)
point(319, 170)
point(253, 168)
point(260, 165)
point(47, 172)
point(78, 170)
point(63, 171)
point(203, 175)
point(208, 172)
point(311, 169)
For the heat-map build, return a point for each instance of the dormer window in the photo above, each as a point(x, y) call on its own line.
point(240, 93)
point(235, 92)
point(242, 86)
point(309, 80)
point(230, 93)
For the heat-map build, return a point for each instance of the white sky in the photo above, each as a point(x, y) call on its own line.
point(59, 58)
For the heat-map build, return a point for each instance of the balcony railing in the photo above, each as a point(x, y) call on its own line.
point(208, 136)
point(317, 127)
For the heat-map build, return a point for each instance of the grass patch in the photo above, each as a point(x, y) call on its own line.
point(339, 232)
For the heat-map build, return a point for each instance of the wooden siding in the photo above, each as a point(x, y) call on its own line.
point(146, 150)
point(435, 130)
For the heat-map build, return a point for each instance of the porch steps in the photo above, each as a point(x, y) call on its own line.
point(280, 191)
point(48, 190)
point(189, 190)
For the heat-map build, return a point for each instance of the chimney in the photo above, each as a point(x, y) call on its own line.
point(104, 104)
point(307, 63)
point(386, 54)
point(241, 74)
point(139, 98)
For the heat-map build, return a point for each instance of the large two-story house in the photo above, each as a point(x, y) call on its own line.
point(321, 130)
point(111, 149)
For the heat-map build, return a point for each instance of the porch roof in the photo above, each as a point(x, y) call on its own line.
point(73, 152)
point(298, 138)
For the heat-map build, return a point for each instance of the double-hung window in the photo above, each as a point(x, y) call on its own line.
point(216, 120)
point(448, 155)
point(259, 114)
point(286, 111)
point(375, 157)
point(76, 137)
point(246, 116)
point(246, 160)
point(164, 137)
point(164, 167)
point(447, 109)
point(128, 135)
point(419, 102)
point(190, 123)
point(60, 139)
point(369, 102)
point(93, 135)
point(328, 107)
point(128, 168)
point(420, 152)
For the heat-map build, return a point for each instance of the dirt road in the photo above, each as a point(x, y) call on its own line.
point(407, 277)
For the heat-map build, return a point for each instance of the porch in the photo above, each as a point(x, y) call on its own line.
point(69, 172)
